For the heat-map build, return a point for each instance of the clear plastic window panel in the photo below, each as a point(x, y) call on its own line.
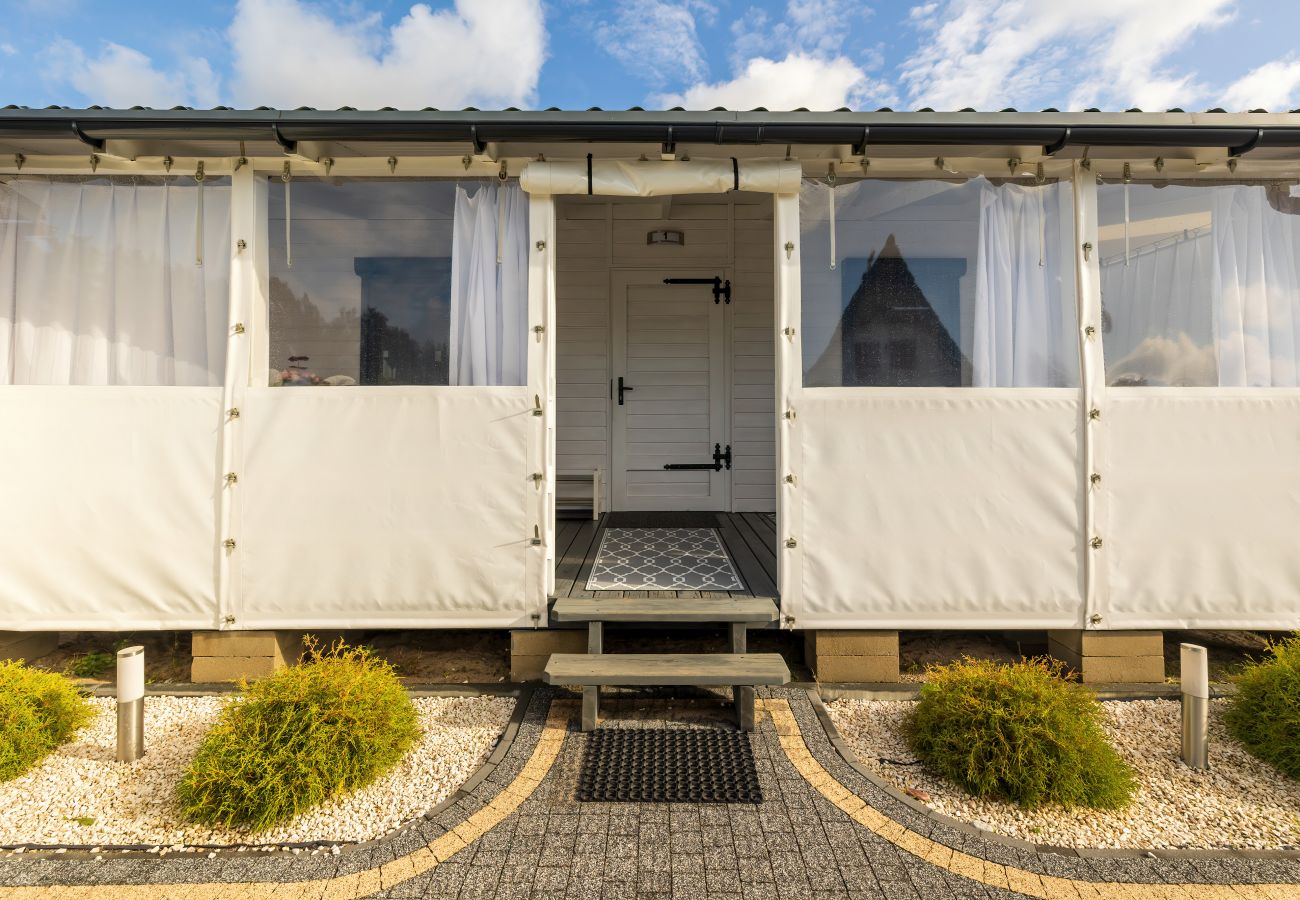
point(935, 283)
point(1200, 284)
point(397, 282)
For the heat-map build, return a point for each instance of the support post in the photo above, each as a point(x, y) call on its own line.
point(1110, 657)
point(590, 704)
point(742, 694)
point(1194, 671)
point(591, 692)
point(789, 392)
point(130, 704)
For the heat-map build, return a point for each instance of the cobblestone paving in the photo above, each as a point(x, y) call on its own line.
point(539, 842)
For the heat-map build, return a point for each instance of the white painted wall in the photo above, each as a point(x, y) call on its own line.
point(597, 235)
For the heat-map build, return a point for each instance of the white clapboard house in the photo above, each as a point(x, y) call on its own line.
point(277, 371)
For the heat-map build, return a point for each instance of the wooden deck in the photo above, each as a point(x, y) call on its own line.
point(750, 539)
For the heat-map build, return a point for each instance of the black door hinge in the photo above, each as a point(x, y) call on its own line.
point(721, 457)
point(721, 289)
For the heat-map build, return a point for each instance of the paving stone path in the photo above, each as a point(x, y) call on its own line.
point(822, 830)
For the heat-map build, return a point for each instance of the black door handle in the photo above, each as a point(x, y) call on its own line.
point(621, 388)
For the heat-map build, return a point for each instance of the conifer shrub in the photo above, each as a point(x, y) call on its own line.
point(298, 737)
point(38, 711)
point(1265, 712)
point(1018, 732)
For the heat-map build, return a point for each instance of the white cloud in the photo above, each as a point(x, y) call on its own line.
point(1107, 53)
point(1274, 86)
point(122, 77)
point(813, 27)
point(288, 54)
point(797, 81)
point(799, 61)
point(656, 39)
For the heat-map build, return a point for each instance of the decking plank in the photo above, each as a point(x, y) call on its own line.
point(758, 581)
point(638, 608)
point(570, 566)
point(761, 541)
point(667, 669)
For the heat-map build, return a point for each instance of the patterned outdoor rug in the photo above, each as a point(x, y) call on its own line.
point(663, 559)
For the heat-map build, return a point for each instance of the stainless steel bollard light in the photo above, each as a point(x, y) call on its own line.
point(1194, 669)
point(130, 704)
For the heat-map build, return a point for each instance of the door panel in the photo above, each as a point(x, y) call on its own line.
point(669, 348)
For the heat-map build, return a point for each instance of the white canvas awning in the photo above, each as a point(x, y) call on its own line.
point(658, 178)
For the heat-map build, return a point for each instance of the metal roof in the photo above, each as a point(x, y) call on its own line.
point(61, 130)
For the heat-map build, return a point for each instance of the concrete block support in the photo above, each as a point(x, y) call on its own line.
point(530, 649)
point(852, 656)
point(1110, 657)
point(231, 655)
point(27, 645)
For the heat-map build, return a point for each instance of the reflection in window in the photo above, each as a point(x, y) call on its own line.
point(937, 284)
point(1200, 284)
point(398, 282)
point(114, 281)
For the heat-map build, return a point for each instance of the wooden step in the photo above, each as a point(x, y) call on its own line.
point(665, 609)
point(699, 669)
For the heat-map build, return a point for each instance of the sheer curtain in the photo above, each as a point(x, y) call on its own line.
point(489, 285)
point(100, 283)
point(1024, 311)
point(1158, 328)
point(1256, 289)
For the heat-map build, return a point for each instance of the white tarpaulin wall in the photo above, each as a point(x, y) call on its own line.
point(110, 498)
point(1106, 507)
point(398, 507)
point(1202, 509)
point(939, 508)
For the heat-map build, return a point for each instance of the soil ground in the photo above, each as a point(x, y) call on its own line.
point(483, 656)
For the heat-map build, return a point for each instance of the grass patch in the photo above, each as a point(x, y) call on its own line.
point(92, 664)
point(38, 712)
point(298, 737)
point(1018, 732)
point(1265, 712)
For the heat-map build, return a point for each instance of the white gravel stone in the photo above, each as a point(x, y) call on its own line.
point(1239, 802)
point(135, 803)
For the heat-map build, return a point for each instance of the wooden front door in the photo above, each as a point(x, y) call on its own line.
point(669, 391)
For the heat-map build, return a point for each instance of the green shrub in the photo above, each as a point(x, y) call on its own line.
point(38, 712)
point(1018, 732)
point(92, 665)
point(1265, 713)
point(298, 737)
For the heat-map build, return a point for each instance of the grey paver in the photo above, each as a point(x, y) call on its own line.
point(796, 843)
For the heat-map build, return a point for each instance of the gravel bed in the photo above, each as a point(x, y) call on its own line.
point(81, 795)
point(1240, 802)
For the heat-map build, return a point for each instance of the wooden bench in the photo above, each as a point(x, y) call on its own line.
point(742, 670)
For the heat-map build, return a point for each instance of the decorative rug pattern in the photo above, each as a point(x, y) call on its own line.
point(668, 765)
point(667, 559)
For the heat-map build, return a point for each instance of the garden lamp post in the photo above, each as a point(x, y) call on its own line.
point(130, 704)
point(1194, 670)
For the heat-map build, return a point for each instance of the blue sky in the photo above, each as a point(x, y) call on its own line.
point(781, 54)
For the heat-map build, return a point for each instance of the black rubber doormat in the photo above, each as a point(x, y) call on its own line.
point(668, 765)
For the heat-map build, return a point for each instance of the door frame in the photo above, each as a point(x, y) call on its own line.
point(720, 389)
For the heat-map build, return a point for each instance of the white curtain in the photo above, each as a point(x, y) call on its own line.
point(489, 285)
point(100, 283)
point(1158, 328)
point(1024, 309)
point(1256, 289)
